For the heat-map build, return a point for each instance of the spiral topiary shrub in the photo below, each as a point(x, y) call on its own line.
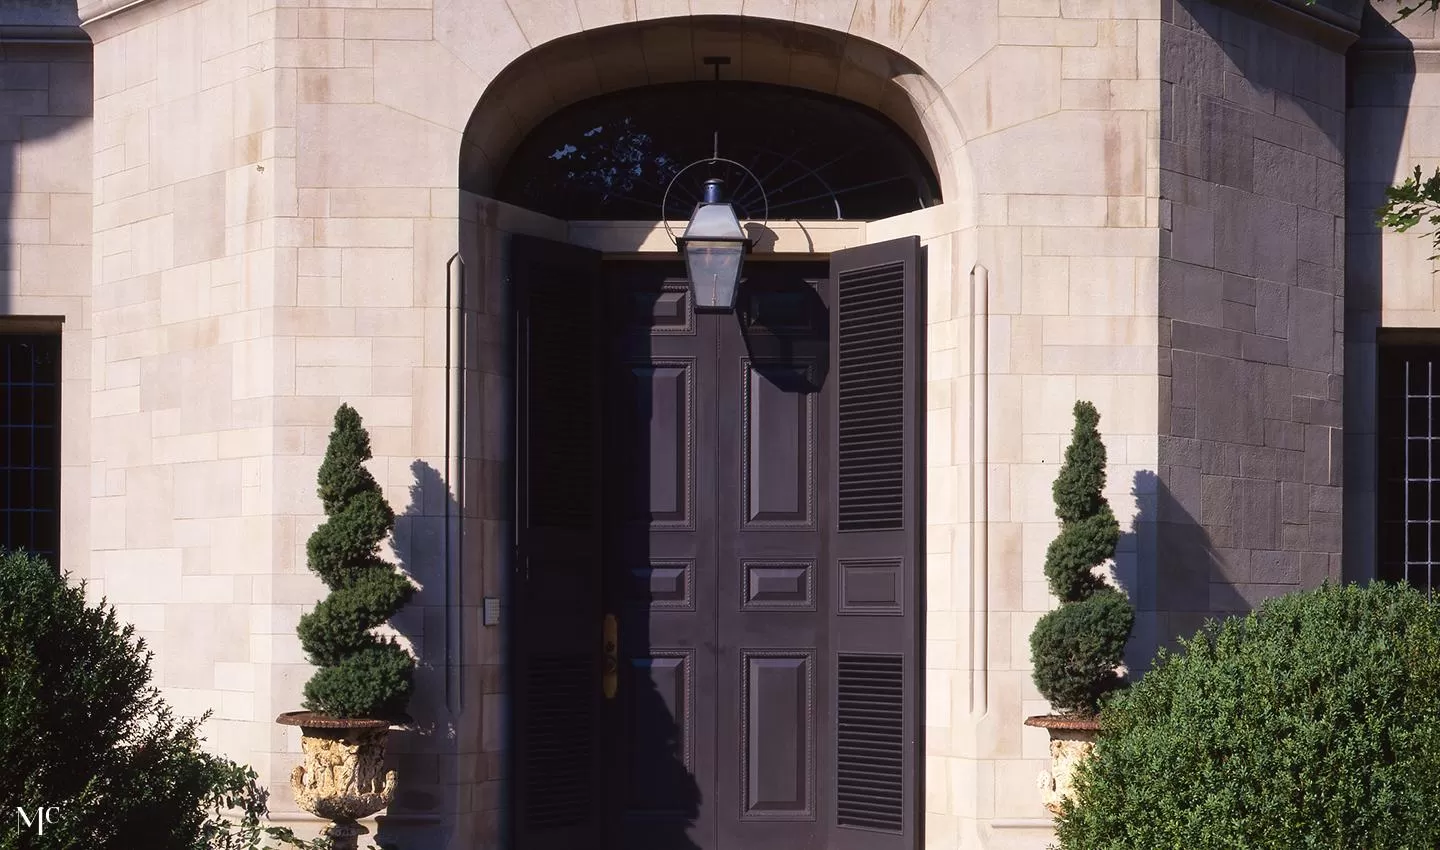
point(360, 673)
point(1311, 723)
point(1076, 648)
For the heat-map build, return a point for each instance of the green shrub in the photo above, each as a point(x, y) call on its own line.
point(360, 673)
point(1076, 648)
point(83, 729)
point(1312, 723)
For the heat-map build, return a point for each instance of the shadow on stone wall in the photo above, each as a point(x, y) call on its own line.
point(1136, 570)
point(45, 90)
point(1193, 580)
point(1253, 126)
point(1186, 582)
point(1380, 81)
point(1277, 58)
point(428, 792)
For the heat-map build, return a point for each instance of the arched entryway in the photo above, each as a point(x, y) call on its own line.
point(716, 595)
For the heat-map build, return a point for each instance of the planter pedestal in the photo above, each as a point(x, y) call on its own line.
point(343, 776)
point(1071, 741)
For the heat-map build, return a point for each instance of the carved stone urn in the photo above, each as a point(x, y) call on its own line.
point(1071, 741)
point(343, 776)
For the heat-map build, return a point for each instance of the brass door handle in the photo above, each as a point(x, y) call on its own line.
point(610, 672)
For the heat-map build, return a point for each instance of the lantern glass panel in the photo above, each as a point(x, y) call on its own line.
point(714, 268)
point(714, 222)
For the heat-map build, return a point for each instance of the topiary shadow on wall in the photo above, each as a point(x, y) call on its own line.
point(427, 757)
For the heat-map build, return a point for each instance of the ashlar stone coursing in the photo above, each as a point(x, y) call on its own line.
point(288, 200)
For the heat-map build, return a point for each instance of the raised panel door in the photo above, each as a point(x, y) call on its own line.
point(720, 727)
point(773, 379)
point(660, 561)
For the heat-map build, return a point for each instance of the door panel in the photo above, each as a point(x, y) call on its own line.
point(780, 585)
point(663, 585)
point(661, 392)
point(660, 562)
point(656, 760)
point(558, 529)
point(779, 461)
point(761, 539)
point(778, 736)
point(876, 543)
point(772, 546)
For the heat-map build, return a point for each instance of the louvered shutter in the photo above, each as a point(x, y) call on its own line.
point(556, 588)
point(875, 543)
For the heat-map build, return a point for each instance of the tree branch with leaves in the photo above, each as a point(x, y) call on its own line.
point(1413, 202)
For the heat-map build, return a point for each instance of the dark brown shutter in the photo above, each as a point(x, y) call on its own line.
point(877, 336)
point(556, 587)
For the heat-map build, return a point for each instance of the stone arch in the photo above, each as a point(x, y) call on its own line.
point(599, 61)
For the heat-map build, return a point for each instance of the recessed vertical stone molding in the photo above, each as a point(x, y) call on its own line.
point(979, 543)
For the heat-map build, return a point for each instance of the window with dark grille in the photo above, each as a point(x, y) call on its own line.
point(30, 443)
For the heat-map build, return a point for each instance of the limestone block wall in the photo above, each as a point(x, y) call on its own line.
point(1251, 306)
point(277, 207)
point(192, 399)
point(1394, 119)
point(1060, 117)
point(45, 198)
point(277, 227)
point(261, 275)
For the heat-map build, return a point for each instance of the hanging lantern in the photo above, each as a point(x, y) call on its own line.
point(714, 246)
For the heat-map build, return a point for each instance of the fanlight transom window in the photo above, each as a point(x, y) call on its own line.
point(817, 157)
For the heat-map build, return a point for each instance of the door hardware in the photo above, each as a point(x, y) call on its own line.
point(610, 673)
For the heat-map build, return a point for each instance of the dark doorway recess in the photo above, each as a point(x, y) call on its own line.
point(718, 604)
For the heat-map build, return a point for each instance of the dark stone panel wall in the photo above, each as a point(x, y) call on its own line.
point(1252, 186)
point(39, 19)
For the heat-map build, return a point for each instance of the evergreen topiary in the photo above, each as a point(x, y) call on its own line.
point(1076, 648)
point(360, 673)
point(1312, 722)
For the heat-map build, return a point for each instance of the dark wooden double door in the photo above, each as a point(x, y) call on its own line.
point(716, 550)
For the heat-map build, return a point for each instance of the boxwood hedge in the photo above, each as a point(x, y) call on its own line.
point(1313, 722)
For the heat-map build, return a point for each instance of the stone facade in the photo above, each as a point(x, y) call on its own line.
point(285, 208)
point(1251, 305)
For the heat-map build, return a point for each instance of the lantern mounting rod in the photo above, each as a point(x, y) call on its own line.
point(716, 62)
point(665, 220)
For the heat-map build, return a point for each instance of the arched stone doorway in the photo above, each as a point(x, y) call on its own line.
point(561, 72)
point(767, 656)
